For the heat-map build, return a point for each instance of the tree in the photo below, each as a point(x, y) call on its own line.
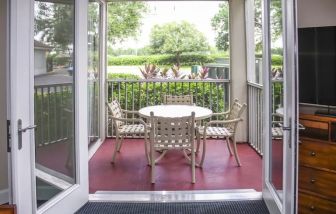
point(177, 38)
point(124, 19)
point(220, 23)
point(275, 19)
point(54, 25)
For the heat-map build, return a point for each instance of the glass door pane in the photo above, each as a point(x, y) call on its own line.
point(54, 97)
point(94, 71)
point(277, 97)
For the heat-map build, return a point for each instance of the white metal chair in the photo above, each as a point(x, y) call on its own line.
point(123, 128)
point(225, 128)
point(178, 100)
point(172, 134)
point(277, 124)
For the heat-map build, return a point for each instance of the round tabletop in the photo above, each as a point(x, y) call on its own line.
point(280, 111)
point(176, 111)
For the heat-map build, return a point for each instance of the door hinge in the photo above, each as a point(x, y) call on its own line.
point(9, 137)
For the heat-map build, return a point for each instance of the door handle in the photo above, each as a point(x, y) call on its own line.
point(286, 128)
point(21, 130)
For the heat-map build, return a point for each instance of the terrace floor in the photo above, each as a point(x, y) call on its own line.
point(131, 172)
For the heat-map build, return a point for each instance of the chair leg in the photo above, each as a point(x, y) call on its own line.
point(146, 149)
point(203, 152)
point(235, 151)
point(120, 143)
point(193, 166)
point(227, 139)
point(152, 152)
point(198, 137)
point(115, 148)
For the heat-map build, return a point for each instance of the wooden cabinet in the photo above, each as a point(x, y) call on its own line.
point(317, 165)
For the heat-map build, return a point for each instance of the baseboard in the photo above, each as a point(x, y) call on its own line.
point(4, 196)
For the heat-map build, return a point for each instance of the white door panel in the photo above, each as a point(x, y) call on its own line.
point(280, 107)
point(25, 171)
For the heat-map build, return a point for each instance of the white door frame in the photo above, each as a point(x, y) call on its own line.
point(288, 203)
point(102, 78)
point(22, 107)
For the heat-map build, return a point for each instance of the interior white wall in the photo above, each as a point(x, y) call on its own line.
point(315, 13)
point(3, 107)
point(238, 61)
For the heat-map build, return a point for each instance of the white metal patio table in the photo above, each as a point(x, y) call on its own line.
point(176, 111)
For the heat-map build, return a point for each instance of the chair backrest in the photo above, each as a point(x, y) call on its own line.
point(178, 100)
point(116, 111)
point(172, 133)
point(236, 111)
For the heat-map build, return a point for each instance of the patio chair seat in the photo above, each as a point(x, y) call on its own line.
point(126, 126)
point(277, 132)
point(132, 129)
point(216, 131)
point(225, 128)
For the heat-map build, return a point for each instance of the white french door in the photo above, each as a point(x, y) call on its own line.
point(280, 107)
point(48, 88)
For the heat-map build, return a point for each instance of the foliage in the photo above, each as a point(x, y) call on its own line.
point(53, 113)
point(114, 76)
point(93, 36)
point(220, 23)
point(164, 59)
point(176, 72)
point(277, 60)
point(177, 38)
point(202, 74)
point(124, 19)
point(150, 71)
point(58, 61)
point(54, 25)
point(275, 19)
point(144, 94)
point(164, 72)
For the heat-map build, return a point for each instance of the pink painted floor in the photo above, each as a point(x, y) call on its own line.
point(131, 172)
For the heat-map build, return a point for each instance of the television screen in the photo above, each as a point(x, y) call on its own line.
point(317, 65)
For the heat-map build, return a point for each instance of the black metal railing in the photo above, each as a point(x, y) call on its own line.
point(135, 94)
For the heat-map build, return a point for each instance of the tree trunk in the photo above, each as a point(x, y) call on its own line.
point(178, 56)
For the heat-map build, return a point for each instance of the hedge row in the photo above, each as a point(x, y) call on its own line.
point(169, 60)
point(277, 60)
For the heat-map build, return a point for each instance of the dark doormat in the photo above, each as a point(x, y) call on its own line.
point(222, 207)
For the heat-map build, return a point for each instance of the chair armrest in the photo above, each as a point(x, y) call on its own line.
point(220, 113)
point(130, 120)
point(223, 121)
point(129, 112)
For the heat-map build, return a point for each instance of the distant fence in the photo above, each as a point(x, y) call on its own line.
point(53, 113)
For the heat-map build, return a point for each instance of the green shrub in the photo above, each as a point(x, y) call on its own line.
point(167, 60)
point(277, 60)
point(137, 95)
point(113, 76)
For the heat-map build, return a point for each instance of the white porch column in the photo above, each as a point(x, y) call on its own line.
point(238, 60)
